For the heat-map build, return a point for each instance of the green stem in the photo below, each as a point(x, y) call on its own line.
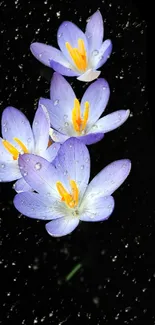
point(74, 270)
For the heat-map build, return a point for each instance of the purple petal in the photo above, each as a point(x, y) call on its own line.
point(57, 136)
point(94, 31)
point(91, 138)
point(22, 186)
point(69, 32)
point(39, 174)
point(111, 121)
point(61, 227)
point(109, 179)
point(41, 127)
point(51, 152)
point(46, 53)
point(34, 205)
point(73, 162)
point(62, 97)
point(97, 94)
point(97, 209)
point(16, 125)
point(65, 71)
point(98, 58)
point(4, 154)
point(89, 75)
point(9, 171)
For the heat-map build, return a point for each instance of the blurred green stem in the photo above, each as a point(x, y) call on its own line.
point(74, 270)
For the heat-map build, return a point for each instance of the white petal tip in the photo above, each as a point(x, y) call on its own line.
point(89, 75)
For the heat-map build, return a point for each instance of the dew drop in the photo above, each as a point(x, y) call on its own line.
point(95, 126)
point(89, 35)
point(82, 167)
point(65, 116)
point(20, 167)
point(38, 166)
point(25, 173)
point(40, 55)
point(4, 124)
point(5, 129)
point(95, 52)
point(35, 123)
point(56, 102)
point(2, 165)
point(66, 123)
point(104, 88)
point(65, 173)
point(70, 145)
point(29, 140)
point(60, 35)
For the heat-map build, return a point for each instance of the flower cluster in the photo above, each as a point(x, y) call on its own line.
point(50, 161)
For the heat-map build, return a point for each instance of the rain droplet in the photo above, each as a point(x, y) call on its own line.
point(2, 165)
point(82, 166)
point(87, 160)
point(60, 35)
point(28, 159)
point(20, 167)
point(5, 123)
point(104, 88)
point(65, 116)
point(66, 123)
point(65, 173)
point(124, 165)
point(38, 166)
point(22, 201)
point(35, 123)
point(40, 55)
point(43, 106)
point(65, 24)
point(95, 52)
point(56, 102)
point(83, 132)
point(89, 35)
point(5, 129)
point(95, 126)
point(70, 146)
point(25, 173)
point(29, 140)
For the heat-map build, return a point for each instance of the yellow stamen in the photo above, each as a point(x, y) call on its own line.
point(12, 150)
point(21, 144)
point(78, 55)
point(70, 199)
point(79, 123)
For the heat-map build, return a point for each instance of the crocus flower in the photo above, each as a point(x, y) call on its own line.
point(63, 194)
point(80, 54)
point(69, 118)
point(19, 138)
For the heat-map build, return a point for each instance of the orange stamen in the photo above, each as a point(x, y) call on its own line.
point(70, 199)
point(78, 55)
point(12, 150)
point(79, 123)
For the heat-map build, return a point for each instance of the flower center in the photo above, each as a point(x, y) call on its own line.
point(70, 199)
point(12, 150)
point(78, 55)
point(79, 123)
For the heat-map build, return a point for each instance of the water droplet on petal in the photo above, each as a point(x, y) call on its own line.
point(21, 167)
point(35, 123)
point(66, 123)
point(56, 102)
point(60, 35)
point(38, 166)
point(27, 159)
point(82, 166)
point(25, 173)
point(70, 145)
point(5, 129)
point(89, 35)
point(2, 165)
point(65, 24)
point(87, 160)
point(95, 52)
point(95, 126)
point(65, 173)
point(104, 88)
point(40, 55)
point(29, 140)
point(22, 201)
point(4, 124)
point(65, 116)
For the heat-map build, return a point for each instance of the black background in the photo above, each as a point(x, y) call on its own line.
point(116, 281)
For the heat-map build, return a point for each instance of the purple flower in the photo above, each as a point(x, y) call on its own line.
point(63, 194)
point(70, 119)
point(19, 138)
point(81, 54)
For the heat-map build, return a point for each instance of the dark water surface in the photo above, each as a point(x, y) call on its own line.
point(116, 281)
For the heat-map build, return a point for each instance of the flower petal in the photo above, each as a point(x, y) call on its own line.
point(22, 186)
point(34, 205)
point(65, 71)
point(45, 53)
point(98, 58)
point(62, 226)
point(51, 152)
point(109, 179)
point(89, 75)
point(94, 31)
point(69, 32)
point(62, 103)
point(39, 174)
point(57, 136)
point(41, 127)
point(9, 171)
point(97, 94)
point(4, 154)
point(110, 121)
point(15, 124)
point(73, 162)
point(97, 209)
point(91, 138)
